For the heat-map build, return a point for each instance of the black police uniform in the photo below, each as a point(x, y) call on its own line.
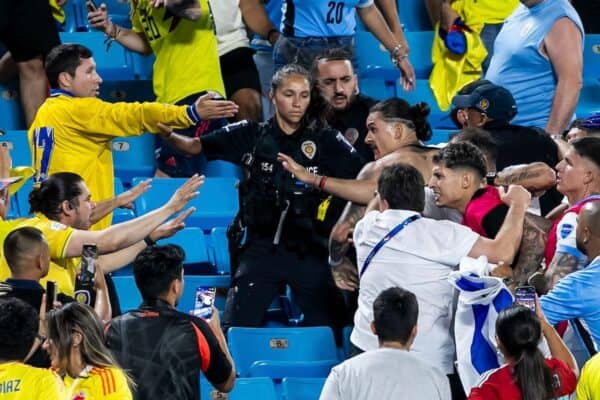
point(281, 216)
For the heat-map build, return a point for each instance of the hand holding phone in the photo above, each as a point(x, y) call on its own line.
point(50, 295)
point(525, 295)
point(91, 5)
point(203, 303)
point(89, 255)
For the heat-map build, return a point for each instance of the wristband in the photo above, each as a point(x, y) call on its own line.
point(333, 263)
point(149, 241)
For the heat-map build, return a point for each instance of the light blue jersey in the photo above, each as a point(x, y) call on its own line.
point(320, 18)
point(576, 296)
point(518, 64)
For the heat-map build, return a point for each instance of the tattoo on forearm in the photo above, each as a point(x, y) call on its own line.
point(562, 264)
point(518, 177)
point(531, 251)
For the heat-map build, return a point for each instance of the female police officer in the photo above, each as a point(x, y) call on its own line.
point(280, 214)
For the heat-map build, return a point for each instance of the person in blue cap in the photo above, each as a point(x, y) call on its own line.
point(583, 127)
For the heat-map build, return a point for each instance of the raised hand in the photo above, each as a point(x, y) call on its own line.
point(209, 108)
point(126, 199)
point(185, 193)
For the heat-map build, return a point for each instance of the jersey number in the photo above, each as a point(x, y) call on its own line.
point(152, 32)
point(335, 13)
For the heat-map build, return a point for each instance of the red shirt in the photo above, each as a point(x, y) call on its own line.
point(499, 383)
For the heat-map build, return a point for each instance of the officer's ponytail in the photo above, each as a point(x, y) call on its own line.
point(415, 116)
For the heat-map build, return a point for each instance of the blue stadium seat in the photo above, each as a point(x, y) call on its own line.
point(589, 99)
point(302, 388)
point(346, 345)
point(134, 157)
point(129, 296)
point(437, 118)
point(591, 57)
point(142, 65)
point(222, 169)
point(114, 64)
point(192, 241)
point(374, 60)
point(377, 88)
point(121, 214)
point(18, 145)
point(413, 15)
point(132, 90)
point(216, 205)
point(219, 247)
point(11, 113)
point(281, 352)
point(441, 136)
point(244, 389)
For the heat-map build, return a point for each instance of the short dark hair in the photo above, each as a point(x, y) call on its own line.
point(20, 242)
point(395, 313)
point(64, 58)
point(588, 147)
point(330, 54)
point(18, 328)
point(48, 197)
point(403, 187)
point(482, 139)
point(156, 267)
point(462, 155)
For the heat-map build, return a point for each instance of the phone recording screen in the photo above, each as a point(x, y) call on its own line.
point(525, 295)
point(205, 297)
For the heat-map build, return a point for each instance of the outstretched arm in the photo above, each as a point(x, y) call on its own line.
point(535, 177)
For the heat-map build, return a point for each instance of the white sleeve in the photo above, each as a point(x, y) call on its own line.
point(565, 233)
point(331, 389)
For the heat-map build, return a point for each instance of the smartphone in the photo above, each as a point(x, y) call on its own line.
point(205, 298)
point(50, 295)
point(91, 5)
point(89, 255)
point(525, 296)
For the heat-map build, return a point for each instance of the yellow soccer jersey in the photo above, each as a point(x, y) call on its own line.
point(187, 61)
point(24, 382)
point(486, 11)
point(57, 12)
point(74, 134)
point(98, 384)
point(588, 387)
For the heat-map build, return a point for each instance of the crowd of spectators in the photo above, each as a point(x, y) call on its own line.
point(342, 200)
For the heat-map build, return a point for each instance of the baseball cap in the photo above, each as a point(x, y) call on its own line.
point(495, 101)
point(591, 122)
point(467, 89)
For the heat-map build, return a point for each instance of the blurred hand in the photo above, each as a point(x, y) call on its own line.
point(171, 227)
point(126, 199)
point(408, 77)
point(502, 270)
point(296, 169)
point(345, 275)
point(185, 193)
point(99, 18)
point(5, 162)
point(208, 108)
point(516, 195)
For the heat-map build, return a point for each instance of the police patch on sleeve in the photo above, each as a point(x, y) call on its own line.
point(309, 148)
point(340, 138)
point(565, 230)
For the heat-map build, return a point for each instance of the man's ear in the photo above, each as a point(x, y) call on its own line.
point(373, 329)
point(383, 204)
point(66, 207)
point(64, 80)
point(466, 180)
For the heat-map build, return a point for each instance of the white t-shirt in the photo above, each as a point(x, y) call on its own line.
point(385, 373)
point(231, 31)
point(419, 259)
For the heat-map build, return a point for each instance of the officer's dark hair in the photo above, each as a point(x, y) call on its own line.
point(333, 54)
point(156, 267)
point(462, 155)
point(21, 244)
point(64, 58)
point(318, 109)
point(588, 147)
point(395, 313)
point(415, 116)
point(481, 139)
point(519, 330)
point(403, 187)
point(57, 188)
point(18, 328)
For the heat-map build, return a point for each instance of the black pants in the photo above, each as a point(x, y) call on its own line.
point(265, 268)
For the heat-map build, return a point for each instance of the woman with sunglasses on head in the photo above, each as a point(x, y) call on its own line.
point(75, 343)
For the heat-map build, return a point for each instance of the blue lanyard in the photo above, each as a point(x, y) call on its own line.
point(386, 239)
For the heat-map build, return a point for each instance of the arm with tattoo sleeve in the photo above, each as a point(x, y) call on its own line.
point(534, 177)
point(562, 265)
point(531, 251)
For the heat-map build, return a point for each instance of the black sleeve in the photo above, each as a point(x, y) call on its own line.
point(219, 367)
point(231, 142)
point(493, 221)
point(339, 159)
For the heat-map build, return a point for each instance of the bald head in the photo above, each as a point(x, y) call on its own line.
point(588, 229)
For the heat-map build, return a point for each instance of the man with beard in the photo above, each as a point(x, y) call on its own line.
point(338, 84)
point(576, 295)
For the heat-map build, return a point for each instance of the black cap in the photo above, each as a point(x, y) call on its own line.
point(467, 89)
point(495, 101)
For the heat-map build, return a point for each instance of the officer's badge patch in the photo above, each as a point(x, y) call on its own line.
point(309, 148)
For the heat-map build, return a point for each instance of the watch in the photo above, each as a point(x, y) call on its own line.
point(490, 178)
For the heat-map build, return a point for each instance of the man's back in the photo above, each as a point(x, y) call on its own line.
point(165, 350)
point(385, 373)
